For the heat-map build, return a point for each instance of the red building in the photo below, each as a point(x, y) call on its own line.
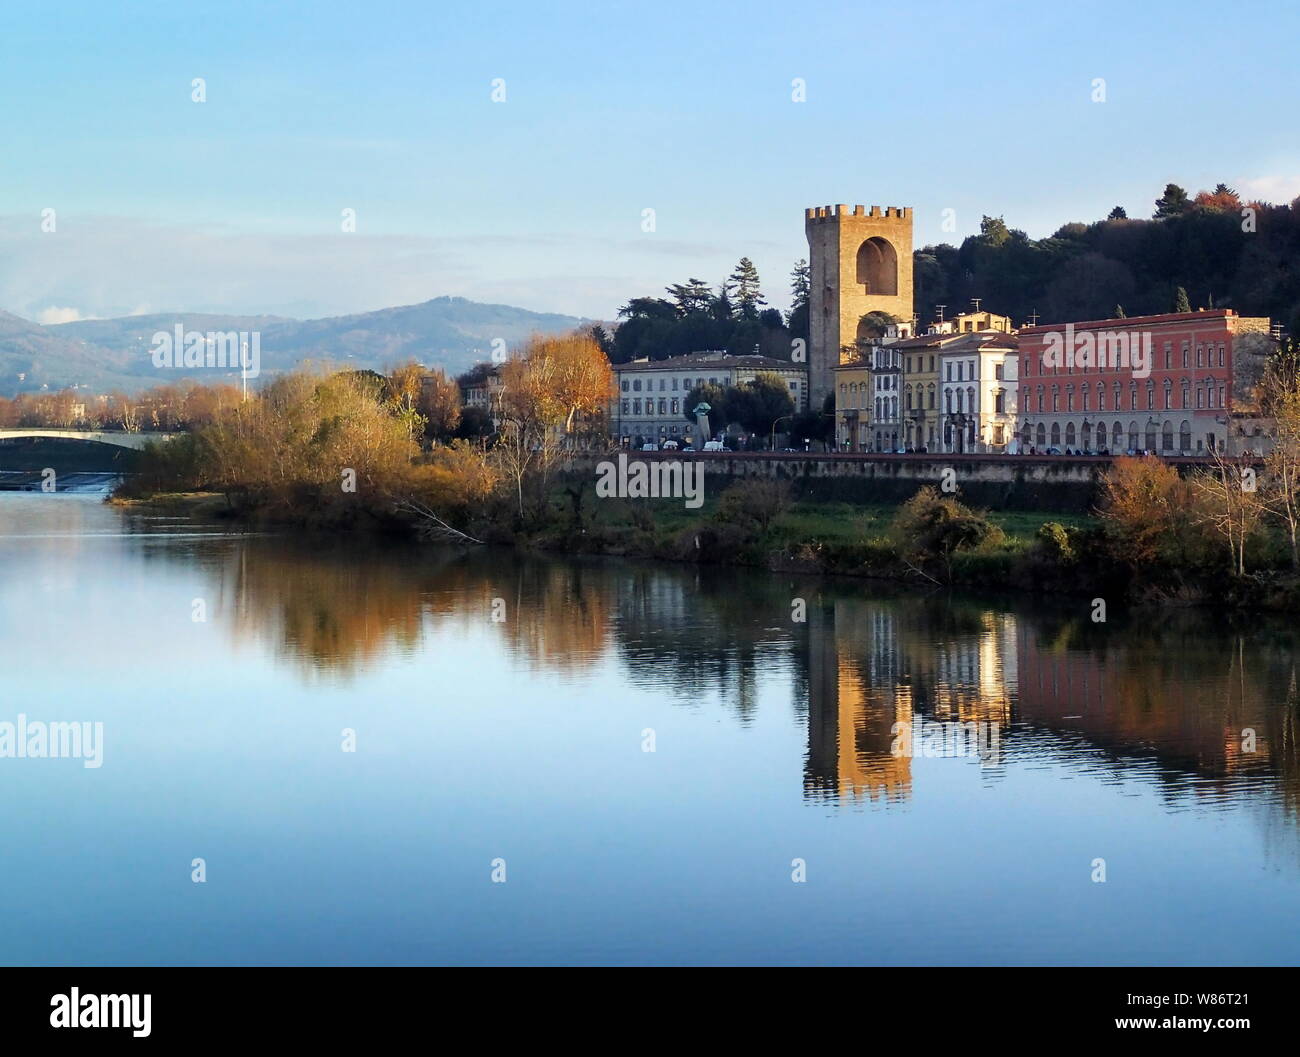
point(1170, 384)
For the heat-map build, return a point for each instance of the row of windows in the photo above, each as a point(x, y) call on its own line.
point(1117, 439)
point(960, 401)
point(671, 406)
point(953, 371)
point(1205, 357)
point(1210, 393)
point(634, 385)
point(964, 400)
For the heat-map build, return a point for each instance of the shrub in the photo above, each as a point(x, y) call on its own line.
point(753, 503)
point(1054, 543)
point(930, 528)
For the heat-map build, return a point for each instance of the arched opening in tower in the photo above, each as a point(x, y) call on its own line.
point(878, 267)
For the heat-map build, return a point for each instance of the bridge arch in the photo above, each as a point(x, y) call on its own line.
point(134, 441)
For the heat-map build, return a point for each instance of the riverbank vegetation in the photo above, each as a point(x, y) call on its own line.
point(350, 450)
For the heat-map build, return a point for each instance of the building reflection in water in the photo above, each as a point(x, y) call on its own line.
point(1207, 714)
point(884, 689)
point(1205, 711)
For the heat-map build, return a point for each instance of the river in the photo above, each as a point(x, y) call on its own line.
point(342, 754)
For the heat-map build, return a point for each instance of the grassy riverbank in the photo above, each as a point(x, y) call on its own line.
point(930, 541)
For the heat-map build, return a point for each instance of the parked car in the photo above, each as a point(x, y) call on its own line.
point(670, 445)
point(649, 447)
point(714, 445)
point(1053, 451)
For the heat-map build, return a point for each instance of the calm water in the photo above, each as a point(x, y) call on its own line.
point(523, 739)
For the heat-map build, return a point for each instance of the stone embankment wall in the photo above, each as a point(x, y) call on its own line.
point(1053, 483)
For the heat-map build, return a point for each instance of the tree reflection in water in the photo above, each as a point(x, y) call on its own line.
point(1171, 696)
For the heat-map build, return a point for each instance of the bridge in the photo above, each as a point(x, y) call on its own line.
point(119, 438)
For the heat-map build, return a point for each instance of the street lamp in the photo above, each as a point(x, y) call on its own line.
point(772, 442)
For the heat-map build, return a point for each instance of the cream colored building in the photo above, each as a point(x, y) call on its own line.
point(978, 393)
point(650, 405)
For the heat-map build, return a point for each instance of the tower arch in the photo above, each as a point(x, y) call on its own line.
point(877, 267)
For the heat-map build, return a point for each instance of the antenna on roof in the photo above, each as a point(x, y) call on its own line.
point(1033, 318)
point(940, 308)
point(975, 301)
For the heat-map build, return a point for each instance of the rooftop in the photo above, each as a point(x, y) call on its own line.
point(694, 360)
point(963, 341)
point(1203, 316)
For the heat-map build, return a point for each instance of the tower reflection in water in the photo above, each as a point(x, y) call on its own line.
point(1184, 700)
point(883, 690)
point(1198, 709)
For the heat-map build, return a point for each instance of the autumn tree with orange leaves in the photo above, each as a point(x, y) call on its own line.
point(1150, 513)
point(552, 397)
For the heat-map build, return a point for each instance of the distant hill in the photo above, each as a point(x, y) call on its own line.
point(448, 332)
point(32, 356)
point(103, 354)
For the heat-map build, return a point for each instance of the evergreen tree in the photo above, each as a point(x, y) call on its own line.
point(800, 285)
point(722, 307)
point(1118, 213)
point(602, 338)
point(748, 295)
point(649, 308)
point(719, 401)
point(693, 295)
point(761, 404)
point(1119, 312)
point(1174, 202)
point(876, 324)
point(800, 296)
point(993, 231)
point(1181, 304)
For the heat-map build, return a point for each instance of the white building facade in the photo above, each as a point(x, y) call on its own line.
point(978, 394)
point(651, 403)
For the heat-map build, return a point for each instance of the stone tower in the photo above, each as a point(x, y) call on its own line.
point(861, 262)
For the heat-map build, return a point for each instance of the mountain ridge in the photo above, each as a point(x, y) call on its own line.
point(100, 355)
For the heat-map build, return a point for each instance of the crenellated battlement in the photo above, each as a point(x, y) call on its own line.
point(814, 213)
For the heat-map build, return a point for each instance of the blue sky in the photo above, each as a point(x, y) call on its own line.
point(234, 204)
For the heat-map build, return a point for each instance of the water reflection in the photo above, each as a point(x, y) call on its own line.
point(896, 742)
point(884, 682)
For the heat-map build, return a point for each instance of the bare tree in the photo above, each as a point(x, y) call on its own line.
point(1230, 503)
point(440, 403)
point(1280, 399)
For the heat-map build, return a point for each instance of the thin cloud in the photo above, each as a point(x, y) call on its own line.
point(101, 267)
